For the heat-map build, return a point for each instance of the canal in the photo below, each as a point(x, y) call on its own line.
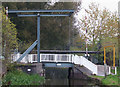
point(62, 76)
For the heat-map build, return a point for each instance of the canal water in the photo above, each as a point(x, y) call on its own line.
point(60, 76)
point(70, 82)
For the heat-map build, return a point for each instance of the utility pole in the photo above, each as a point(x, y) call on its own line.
point(86, 37)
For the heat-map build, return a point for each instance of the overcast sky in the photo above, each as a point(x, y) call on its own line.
point(111, 5)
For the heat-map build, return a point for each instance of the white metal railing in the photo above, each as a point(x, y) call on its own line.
point(43, 58)
point(80, 60)
point(88, 64)
point(56, 58)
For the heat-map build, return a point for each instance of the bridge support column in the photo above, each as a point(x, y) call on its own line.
point(70, 72)
point(38, 38)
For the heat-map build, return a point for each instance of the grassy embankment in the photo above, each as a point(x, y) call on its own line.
point(110, 79)
point(18, 77)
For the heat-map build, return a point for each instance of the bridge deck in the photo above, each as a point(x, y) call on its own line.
point(69, 52)
point(60, 64)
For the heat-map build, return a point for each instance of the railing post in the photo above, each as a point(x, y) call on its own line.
point(72, 58)
point(40, 58)
point(68, 58)
point(115, 70)
point(109, 70)
point(31, 58)
point(55, 58)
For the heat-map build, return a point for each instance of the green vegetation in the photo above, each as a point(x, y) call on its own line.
point(51, 27)
point(110, 79)
point(102, 30)
point(113, 71)
point(9, 36)
point(18, 77)
point(98, 77)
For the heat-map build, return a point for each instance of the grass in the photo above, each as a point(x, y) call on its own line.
point(98, 77)
point(113, 71)
point(18, 77)
point(110, 79)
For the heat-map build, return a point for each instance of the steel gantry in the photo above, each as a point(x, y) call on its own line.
point(113, 46)
point(38, 14)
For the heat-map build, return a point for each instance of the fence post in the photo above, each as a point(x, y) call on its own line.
point(109, 70)
point(55, 58)
point(115, 70)
point(31, 58)
point(70, 58)
point(40, 58)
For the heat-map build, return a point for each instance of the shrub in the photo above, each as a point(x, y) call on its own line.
point(20, 78)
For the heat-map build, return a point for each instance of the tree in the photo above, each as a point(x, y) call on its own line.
point(9, 36)
point(54, 30)
point(101, 25)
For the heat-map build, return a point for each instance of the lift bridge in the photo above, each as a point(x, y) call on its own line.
point(52, 58)
point(55, 58)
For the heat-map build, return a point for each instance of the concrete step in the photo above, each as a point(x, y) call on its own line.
point(84, 70)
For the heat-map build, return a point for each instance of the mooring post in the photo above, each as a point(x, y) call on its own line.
point(38, 37)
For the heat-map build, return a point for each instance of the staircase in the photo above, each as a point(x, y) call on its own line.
point(83, 69)
point(87, 67)
point(82, 61)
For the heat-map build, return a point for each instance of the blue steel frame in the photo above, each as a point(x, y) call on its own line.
point(38, 15)
point(33, 15)
point(39, 11)
point(38, 37)
point(59, 64)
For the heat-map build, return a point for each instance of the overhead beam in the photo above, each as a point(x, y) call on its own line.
point(38, 11)
point(27, 15)
point(48, 15)
point(108, 46)
point(54, 15)
point(68, 52)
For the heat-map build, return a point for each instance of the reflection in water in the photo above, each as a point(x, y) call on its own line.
point(69, 82)
point(59, 76)
point(57, 82)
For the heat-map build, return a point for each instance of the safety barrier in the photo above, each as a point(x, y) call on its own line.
point(43, 58)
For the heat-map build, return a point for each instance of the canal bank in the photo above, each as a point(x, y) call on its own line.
point(109, 80)
point(58, 76)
